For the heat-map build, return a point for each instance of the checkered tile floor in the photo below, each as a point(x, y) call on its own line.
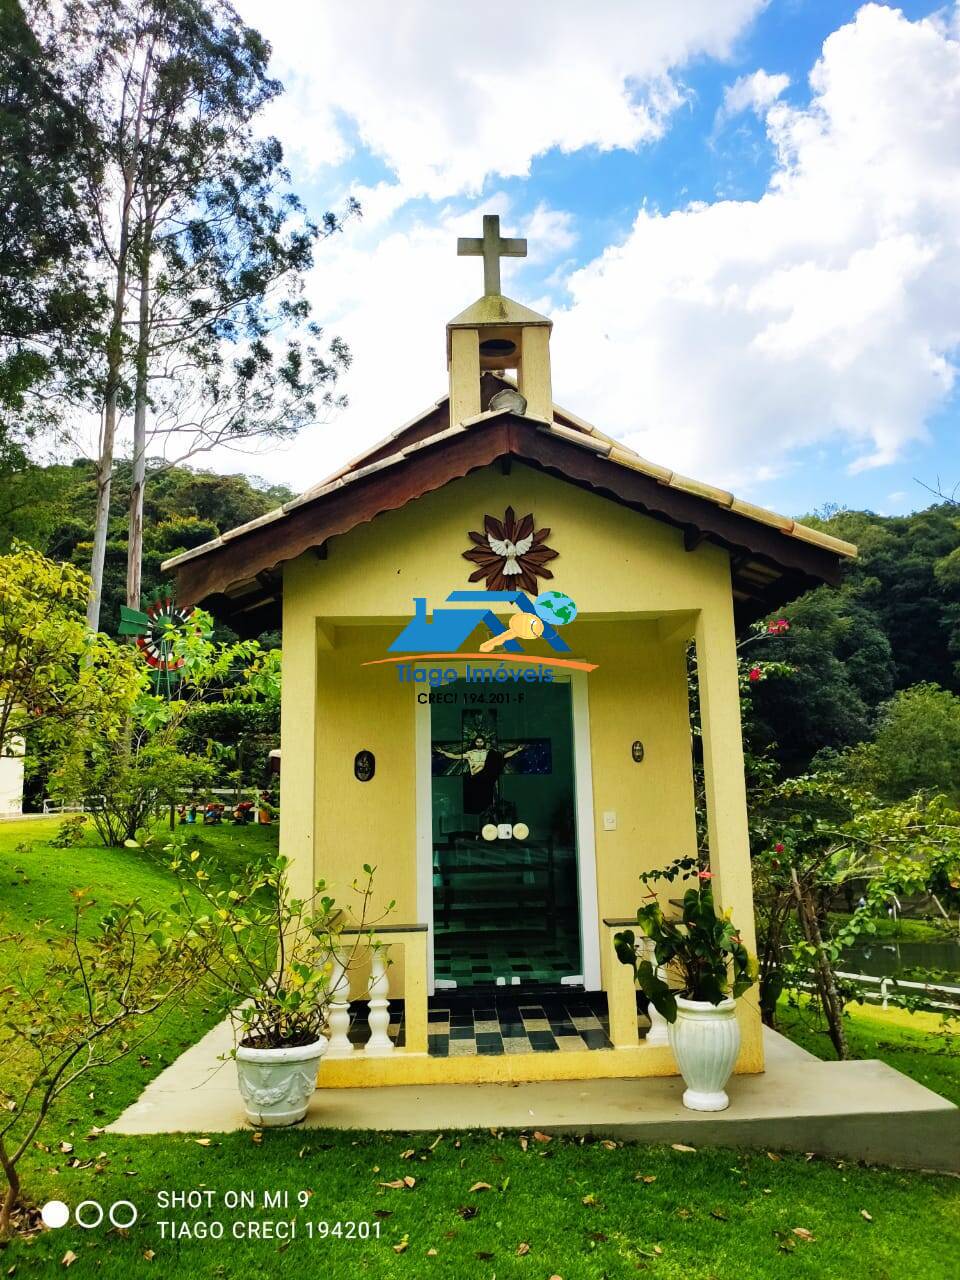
point(506, 1020)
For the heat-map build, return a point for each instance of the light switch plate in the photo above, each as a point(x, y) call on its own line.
point(609, 820)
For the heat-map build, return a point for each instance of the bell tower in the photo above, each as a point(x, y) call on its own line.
point(496, 333)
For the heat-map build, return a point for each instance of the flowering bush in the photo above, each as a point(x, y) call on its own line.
point(704, 949)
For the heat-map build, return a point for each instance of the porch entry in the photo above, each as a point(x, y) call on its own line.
point(506, 900)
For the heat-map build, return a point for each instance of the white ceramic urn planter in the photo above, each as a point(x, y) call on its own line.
point(705, 1040)
point(277, 1084)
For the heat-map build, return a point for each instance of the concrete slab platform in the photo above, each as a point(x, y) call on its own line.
point(853, 1110)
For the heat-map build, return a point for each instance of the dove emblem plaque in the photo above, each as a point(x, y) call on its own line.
point(510, 553)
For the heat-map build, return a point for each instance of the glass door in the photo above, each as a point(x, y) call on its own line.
point(505, 888)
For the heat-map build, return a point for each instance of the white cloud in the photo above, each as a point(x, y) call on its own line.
point(731, 340)
point(755, 92)
point(725, 337)
point(448, 94)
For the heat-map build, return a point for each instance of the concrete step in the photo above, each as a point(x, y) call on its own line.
point(851, 1110)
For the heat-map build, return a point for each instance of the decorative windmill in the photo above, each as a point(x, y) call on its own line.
point(155, 632)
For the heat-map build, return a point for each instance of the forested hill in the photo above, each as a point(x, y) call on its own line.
point(894, 623)
point(52, 509)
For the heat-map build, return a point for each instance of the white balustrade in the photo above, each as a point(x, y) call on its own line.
point(338, 1019)
point(658, 1023)
point(379, 1044)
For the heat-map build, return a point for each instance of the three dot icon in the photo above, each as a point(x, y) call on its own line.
point(89, 1214)
point(55, 1214)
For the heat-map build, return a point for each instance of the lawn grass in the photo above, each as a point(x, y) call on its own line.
point(582, 1210)
point(924, 1046)
point(578, 1206)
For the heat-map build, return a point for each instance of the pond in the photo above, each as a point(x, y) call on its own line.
point(884, 959)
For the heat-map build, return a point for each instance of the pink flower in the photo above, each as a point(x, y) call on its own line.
point(755, 673)
point(704, 875)
point(779, 847)
point(777, 627)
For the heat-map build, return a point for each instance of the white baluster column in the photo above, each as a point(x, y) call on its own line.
point(379, 1045)
point(658, 1023)
point(338, 1019)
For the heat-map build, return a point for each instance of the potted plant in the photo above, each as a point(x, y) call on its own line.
point(711, 967)
point(277, 962)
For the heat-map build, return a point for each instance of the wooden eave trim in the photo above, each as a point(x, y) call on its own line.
point(340, 510)
point(432, 466)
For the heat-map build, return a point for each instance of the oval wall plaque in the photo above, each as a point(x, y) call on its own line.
point(364, 766)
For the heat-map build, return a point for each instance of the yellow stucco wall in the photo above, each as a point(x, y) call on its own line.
point(639, 595)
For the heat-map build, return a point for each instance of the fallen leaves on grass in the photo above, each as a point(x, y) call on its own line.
point(645, 1177)
point(68, 1259)
point(591, 1201)
point(867, 1217)
point(804, 1234)
point(66, 1147)
point(785, 1241)
point(480, 1186)
point(541, 1137)
point(398, 1184)
point(681, 1146)
point(403, 1245)
point(204, 1142)
point(468, 1211)
point(719, 1213)
point(523, 1249)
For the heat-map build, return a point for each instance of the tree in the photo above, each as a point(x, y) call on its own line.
point(841, 667)
point(48, 304)
point(916, 746)
point(56, 678)
point(134, 761)
point(51, 507)
point(897, 577)
point(810, 836)
point(98, 997)
point(209, 338)
point(221, 254)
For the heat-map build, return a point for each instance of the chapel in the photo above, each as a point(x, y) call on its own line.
point(497, 623)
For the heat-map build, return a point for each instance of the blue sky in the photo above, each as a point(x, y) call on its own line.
point(742, 219)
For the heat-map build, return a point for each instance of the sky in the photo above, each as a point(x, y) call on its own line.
point(742, 218)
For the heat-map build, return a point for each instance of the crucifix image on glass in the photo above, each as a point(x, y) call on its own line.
point(505, 887)
point(482, 759)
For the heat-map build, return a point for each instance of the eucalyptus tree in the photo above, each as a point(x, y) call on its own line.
point(226, 351)
point(210, 337)
point(48, 302)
